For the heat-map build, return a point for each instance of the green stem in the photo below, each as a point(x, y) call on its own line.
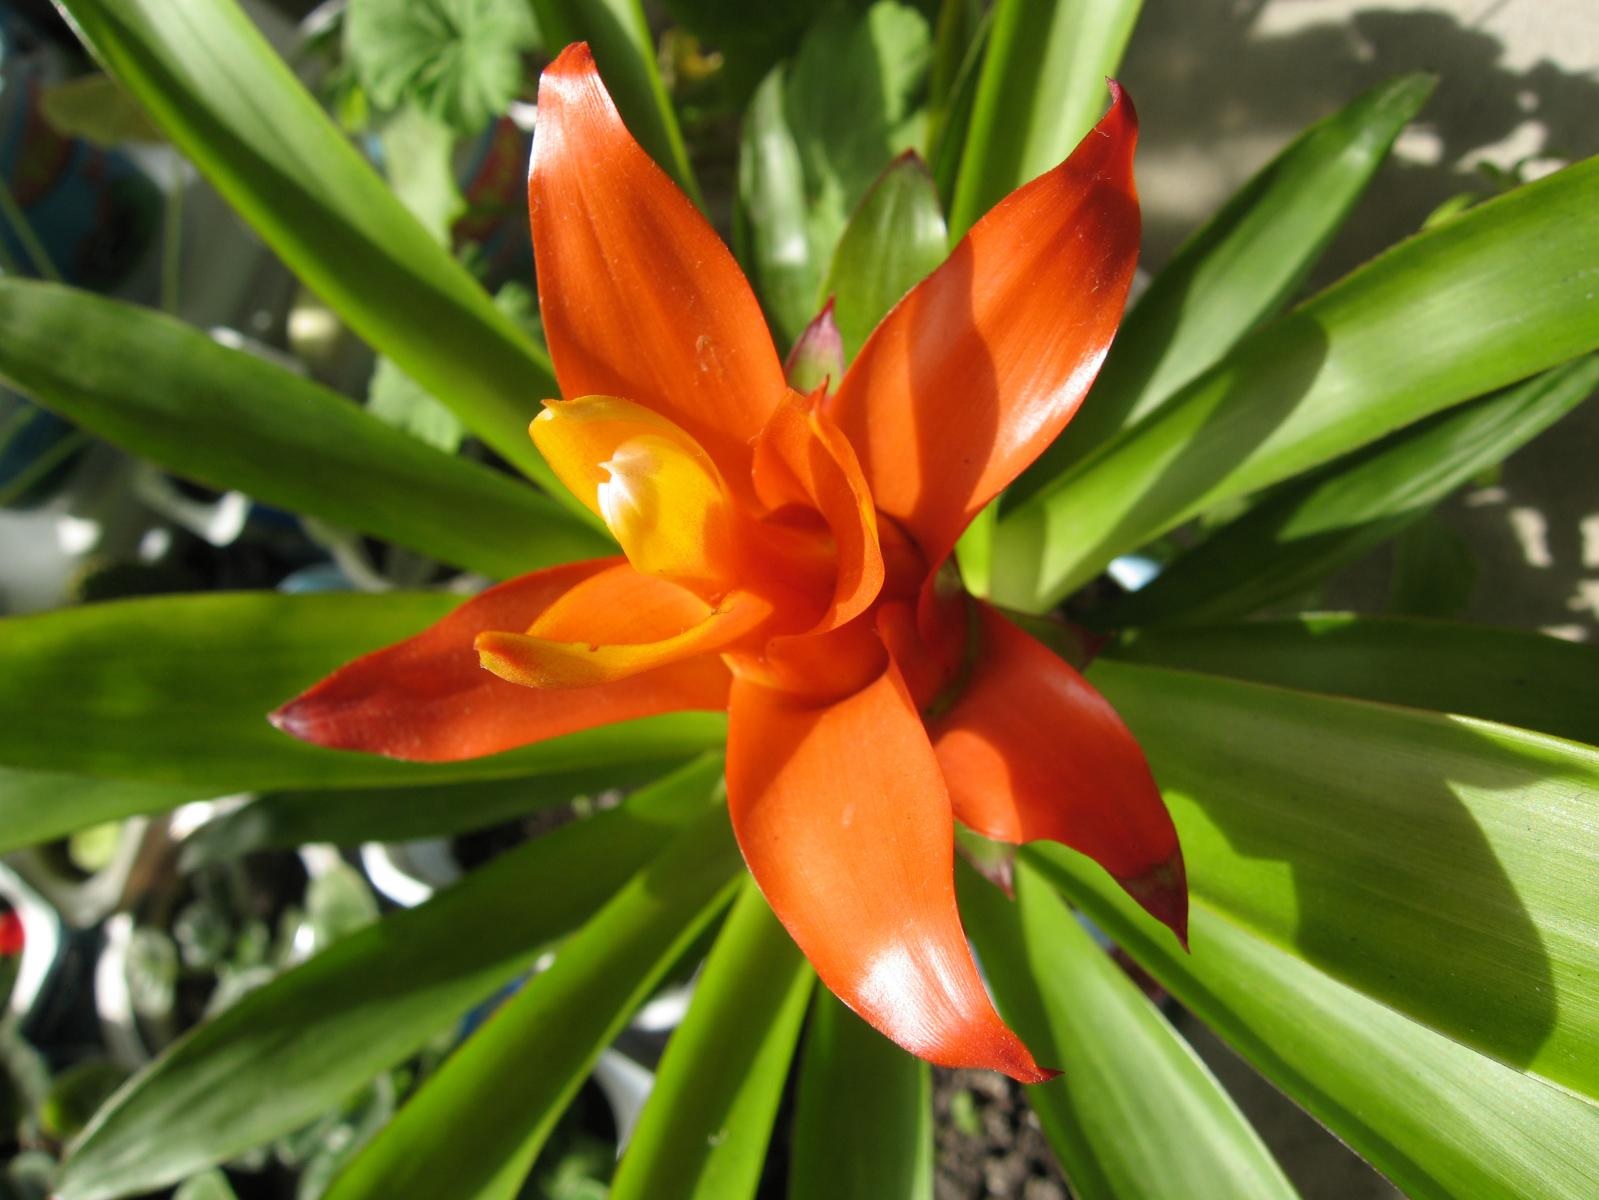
point(18, 220)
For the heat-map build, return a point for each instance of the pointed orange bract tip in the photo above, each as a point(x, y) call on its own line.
point(1162, 892)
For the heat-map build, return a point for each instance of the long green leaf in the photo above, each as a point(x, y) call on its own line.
point(1437, 1118)
point(1445, 866)
point(1041, 89)
point(863, 1124)
point(301, 1045)
point(624, 51)
point(474, 1128)
point(237, 112)
point(1511, 676)
point(1136, 1113)
point(176, 689)
point(1239, 268)
point(1471, 305)
point(704, 1131)
point(160, 388)
point(896, 237)
point(36, 806)
point(347, 817)
point(1303, 531)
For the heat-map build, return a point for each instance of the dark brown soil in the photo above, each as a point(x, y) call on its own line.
point(989, 1142)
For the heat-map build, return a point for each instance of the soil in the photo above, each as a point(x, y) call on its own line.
point(989, 1142)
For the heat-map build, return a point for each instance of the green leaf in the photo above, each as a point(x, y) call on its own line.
point(288, 171)
point(1506, 675)
point(210, 1185)
point(896, 237)
point(303, 1044)
point(1480, 302)
point(863, 1122)
point(1303, 531)
point(624, 51)
point(283, 820)
point(161, 389)
point(1434, 571)
point(38, 806)
point(418, 158)
point(524, 1066)
point(94, 108)
point(1438, 1119)
point(704, 1130)
point(947, 124)
point(820, 131)
point(1239, 268)
point(1445, 866)
point(750, 38)
point(400, 402)
point(1136, 1113)
point(459, 61)
point(176, 689)
point(1042, 88)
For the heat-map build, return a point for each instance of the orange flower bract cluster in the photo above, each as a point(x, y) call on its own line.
point(786, 557)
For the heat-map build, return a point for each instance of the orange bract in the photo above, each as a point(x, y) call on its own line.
point(785, 559)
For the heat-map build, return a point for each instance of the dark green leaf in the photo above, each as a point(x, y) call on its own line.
point(1440, 1120)
point(524, 1066)
point(161, 389)
point(1239, 268)
point(459, 61)
point(282, 820)
point(176, 690)
point(37, 806)
point(895, 238)
point(301, 1045)
point(1445, 866)
point(1135, 1112)
point(1506, 675)
point(624, 51)
point(1042, 88)
point(863, 1125)
point(1494, 296)
point(1303, 531)
point(289, 172)
point(948, 124)
point(704, 1131)
point(1434, 571)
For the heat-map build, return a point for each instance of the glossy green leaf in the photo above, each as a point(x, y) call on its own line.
point(287, 170)
point(1135, 1113)
point(38, 806)
point(1303, 531)
point(1494, 296)
point(524, 1066)
point(164, 390)
point(1510, 676)
point(624, 51)
point(949, 121)
point(896, 237)
point(304, 1043)
point(459, 61)
point(1239, 268)
point(1042, 88)
point(863, 1122)
point(1438, 1119)
point(348, 817)
point(1446, 866)
point(176, 689)
point(704, 1131)
point(819, 132)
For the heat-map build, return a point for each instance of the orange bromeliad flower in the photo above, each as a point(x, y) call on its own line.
point(786, 559)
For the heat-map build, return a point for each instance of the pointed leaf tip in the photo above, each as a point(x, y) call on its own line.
point(1162, 892)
